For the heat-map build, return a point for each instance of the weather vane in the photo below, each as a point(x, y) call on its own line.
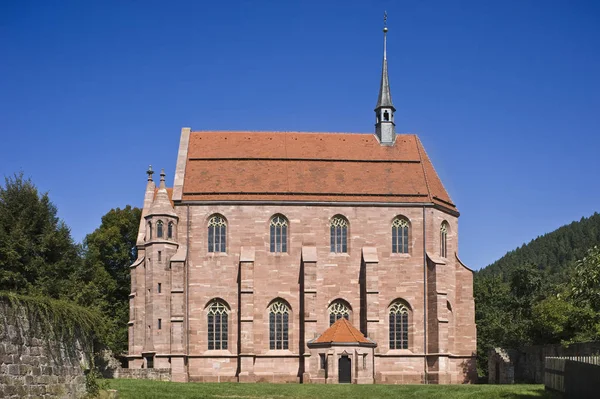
point(385, 19)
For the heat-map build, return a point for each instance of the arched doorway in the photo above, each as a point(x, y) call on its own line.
point(345, 369)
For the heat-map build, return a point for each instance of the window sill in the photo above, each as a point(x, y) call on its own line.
point(400, 255)
point(399, 352)
point(160, 240)
point(278, 254)
point(279, 352)
point(216, 254)
point(339, 254)
point(217, 352)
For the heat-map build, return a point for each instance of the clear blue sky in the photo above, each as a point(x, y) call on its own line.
point(505, 96)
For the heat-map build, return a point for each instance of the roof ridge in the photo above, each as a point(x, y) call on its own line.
point(292, 131)
point(352, 330)
point(276, 131)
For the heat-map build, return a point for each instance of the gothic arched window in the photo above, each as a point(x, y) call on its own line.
point(217, 231)
point(149, 230)
point(337, 310)
point(400, 236)
point(339, 234)
point(217, 325)
point(398, 326)
point(278, 240)
point(279, 314)
point(443, 240)
point(170, 230)
point(159, 229)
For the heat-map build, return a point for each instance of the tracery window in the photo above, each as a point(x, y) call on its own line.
point(443, 240)
point(279, 315)
point(279, 226)
point(170, 230)
point(398, 326)
point(339, 234)
point(217, 231)
point(159, 229)
point(217, 325)
point(400, 236)
point(337, 310)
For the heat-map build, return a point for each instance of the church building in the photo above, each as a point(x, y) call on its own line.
point(303, 257)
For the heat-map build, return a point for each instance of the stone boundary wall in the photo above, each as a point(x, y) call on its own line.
point(144, 374)
point(31, 366)
point(529, 361)
point(501, 367)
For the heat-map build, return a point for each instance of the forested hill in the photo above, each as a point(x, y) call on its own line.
point(553, 252)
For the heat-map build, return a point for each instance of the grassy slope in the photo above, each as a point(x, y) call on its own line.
point(142, 389)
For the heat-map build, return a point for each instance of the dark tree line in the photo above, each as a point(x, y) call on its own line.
point(545, 292)
point(38, 256)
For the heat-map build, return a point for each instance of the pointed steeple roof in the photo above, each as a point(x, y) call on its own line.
point(385, 95)
point(342, 332)
point(162, 204)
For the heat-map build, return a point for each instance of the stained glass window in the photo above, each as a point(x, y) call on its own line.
point(339, 234)
point(279, 315)
point(217, 326)
point(159, 229)
point(217, 231)
point(398, 326)
point(400, 236)
point(337, 310)
point(443, 239)
point(279, 226)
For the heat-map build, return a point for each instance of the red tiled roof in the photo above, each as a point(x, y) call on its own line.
point(295, 166)
point(342, 332)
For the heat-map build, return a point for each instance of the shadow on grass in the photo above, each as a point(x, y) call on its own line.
point(532, 393)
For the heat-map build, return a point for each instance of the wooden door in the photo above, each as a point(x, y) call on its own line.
point(345, 370)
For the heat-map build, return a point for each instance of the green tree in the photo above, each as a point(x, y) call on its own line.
point(37, 253)
point(112, 249)
point(585, 283)
point(493, 317)
point(558, 320)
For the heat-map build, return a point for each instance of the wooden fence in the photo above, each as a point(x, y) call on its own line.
point(571, 375)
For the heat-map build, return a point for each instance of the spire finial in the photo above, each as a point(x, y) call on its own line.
point(162, 178)
point(149, 172)
point(385, 29)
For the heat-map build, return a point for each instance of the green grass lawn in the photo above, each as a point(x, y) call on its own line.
point(140, 389)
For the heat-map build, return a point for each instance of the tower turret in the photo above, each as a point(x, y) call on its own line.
point(385, 128)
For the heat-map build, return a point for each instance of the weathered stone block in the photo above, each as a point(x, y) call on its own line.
point(13, 369)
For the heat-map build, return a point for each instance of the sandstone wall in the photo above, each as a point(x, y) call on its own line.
point(144, 374)
point(32, 366)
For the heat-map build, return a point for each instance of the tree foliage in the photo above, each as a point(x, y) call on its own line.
point(112, 248)
point(39, 259)
point(546, 292)
point(553, 253)
point(37, 253)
